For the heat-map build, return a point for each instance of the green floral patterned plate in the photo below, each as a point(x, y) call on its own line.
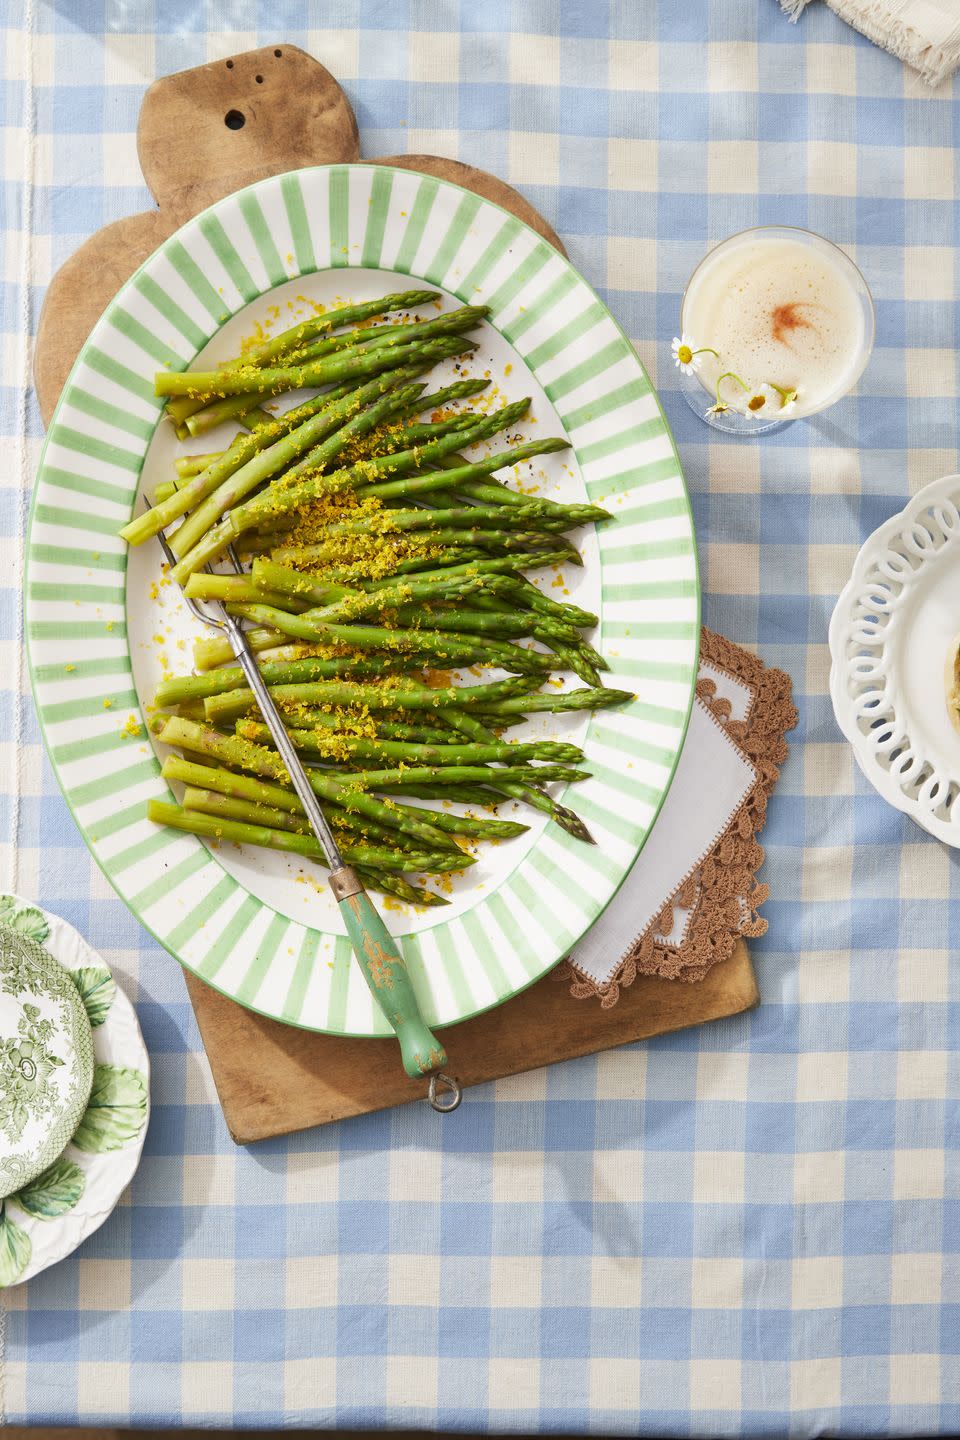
point(47, 1213)
point(46, 1058)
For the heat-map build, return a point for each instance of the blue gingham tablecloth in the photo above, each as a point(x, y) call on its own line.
point(748, 1229)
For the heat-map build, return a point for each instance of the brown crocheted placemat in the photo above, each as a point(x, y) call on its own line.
point(719, 901)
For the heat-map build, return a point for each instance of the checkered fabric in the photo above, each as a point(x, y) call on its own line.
point(749, 1229)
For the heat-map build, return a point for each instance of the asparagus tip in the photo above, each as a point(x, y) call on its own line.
point(570, 821)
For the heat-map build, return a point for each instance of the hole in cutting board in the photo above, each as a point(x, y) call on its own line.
point(234, 119)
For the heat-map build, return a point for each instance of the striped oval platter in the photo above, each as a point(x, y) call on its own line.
point(104, 625)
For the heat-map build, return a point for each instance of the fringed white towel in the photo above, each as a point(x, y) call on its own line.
point(923, 33)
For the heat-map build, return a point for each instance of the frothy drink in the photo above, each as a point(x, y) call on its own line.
point(782, 311)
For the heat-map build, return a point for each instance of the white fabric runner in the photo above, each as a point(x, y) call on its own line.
point(925, 34)
point(713, 778)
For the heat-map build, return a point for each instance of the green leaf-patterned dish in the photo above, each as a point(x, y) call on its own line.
point(46, 1058)
point(45, 1217)
point(103, 625)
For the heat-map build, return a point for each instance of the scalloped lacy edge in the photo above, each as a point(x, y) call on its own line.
point(724, 893)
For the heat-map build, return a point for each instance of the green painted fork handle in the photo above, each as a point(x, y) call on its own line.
point(385, 971)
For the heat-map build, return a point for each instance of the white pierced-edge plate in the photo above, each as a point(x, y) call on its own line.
point(71, 1207)
point(891, 636)
point(245, 921)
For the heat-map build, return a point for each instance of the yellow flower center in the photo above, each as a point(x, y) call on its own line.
point(756, 402)
point(684, 354)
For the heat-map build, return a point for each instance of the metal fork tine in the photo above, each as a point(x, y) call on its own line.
point(195, 609)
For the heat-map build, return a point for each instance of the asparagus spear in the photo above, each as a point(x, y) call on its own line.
point(282, 498)
point(199, 687)
point(466, 621)
point(347, 747)
point(399, 777)
point(487, 540)
point(220, 410)
point(221, 827)
point(270, 575)
point(306, 330)
point(242, 450)
point(473, 827)
point(595, 698)
point(530, 795)
point(396, 885)
point(240, 590)
point(423, 484)
point(187, 466)
point(572, 658)
point(262, 792)
point(273, 503)
point(465, 650)
point(202, 740)
point(307, 717)
point(350, 364)
point(215, 650)
point(548, 606)
point(237, 408)
point(248, 813)
point(467, 517)
point(303, 332)
point(462, 795)
point(275, 797)
point(333, 426)
point(450, 322)
point(389, 441)
point(400, 695)
point(463, 578)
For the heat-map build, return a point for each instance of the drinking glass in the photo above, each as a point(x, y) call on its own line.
point(694, 382)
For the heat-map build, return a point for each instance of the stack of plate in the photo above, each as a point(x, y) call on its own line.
point(73, 1090)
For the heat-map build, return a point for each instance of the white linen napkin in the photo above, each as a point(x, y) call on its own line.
point(923, 33)
point(712, 781)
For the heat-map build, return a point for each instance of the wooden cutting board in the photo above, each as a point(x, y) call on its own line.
point(273, 1079)
point(257, 114)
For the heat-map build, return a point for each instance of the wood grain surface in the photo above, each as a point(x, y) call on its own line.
point(294, 114)
point(271, 1078)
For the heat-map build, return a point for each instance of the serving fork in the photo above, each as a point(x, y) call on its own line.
point(378, 954)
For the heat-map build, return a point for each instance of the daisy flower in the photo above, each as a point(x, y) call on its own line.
point(686, 354)
point(720, 405)
point(788, 401)
point(759, 401)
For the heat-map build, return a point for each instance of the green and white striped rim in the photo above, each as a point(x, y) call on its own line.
point(390, 220)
